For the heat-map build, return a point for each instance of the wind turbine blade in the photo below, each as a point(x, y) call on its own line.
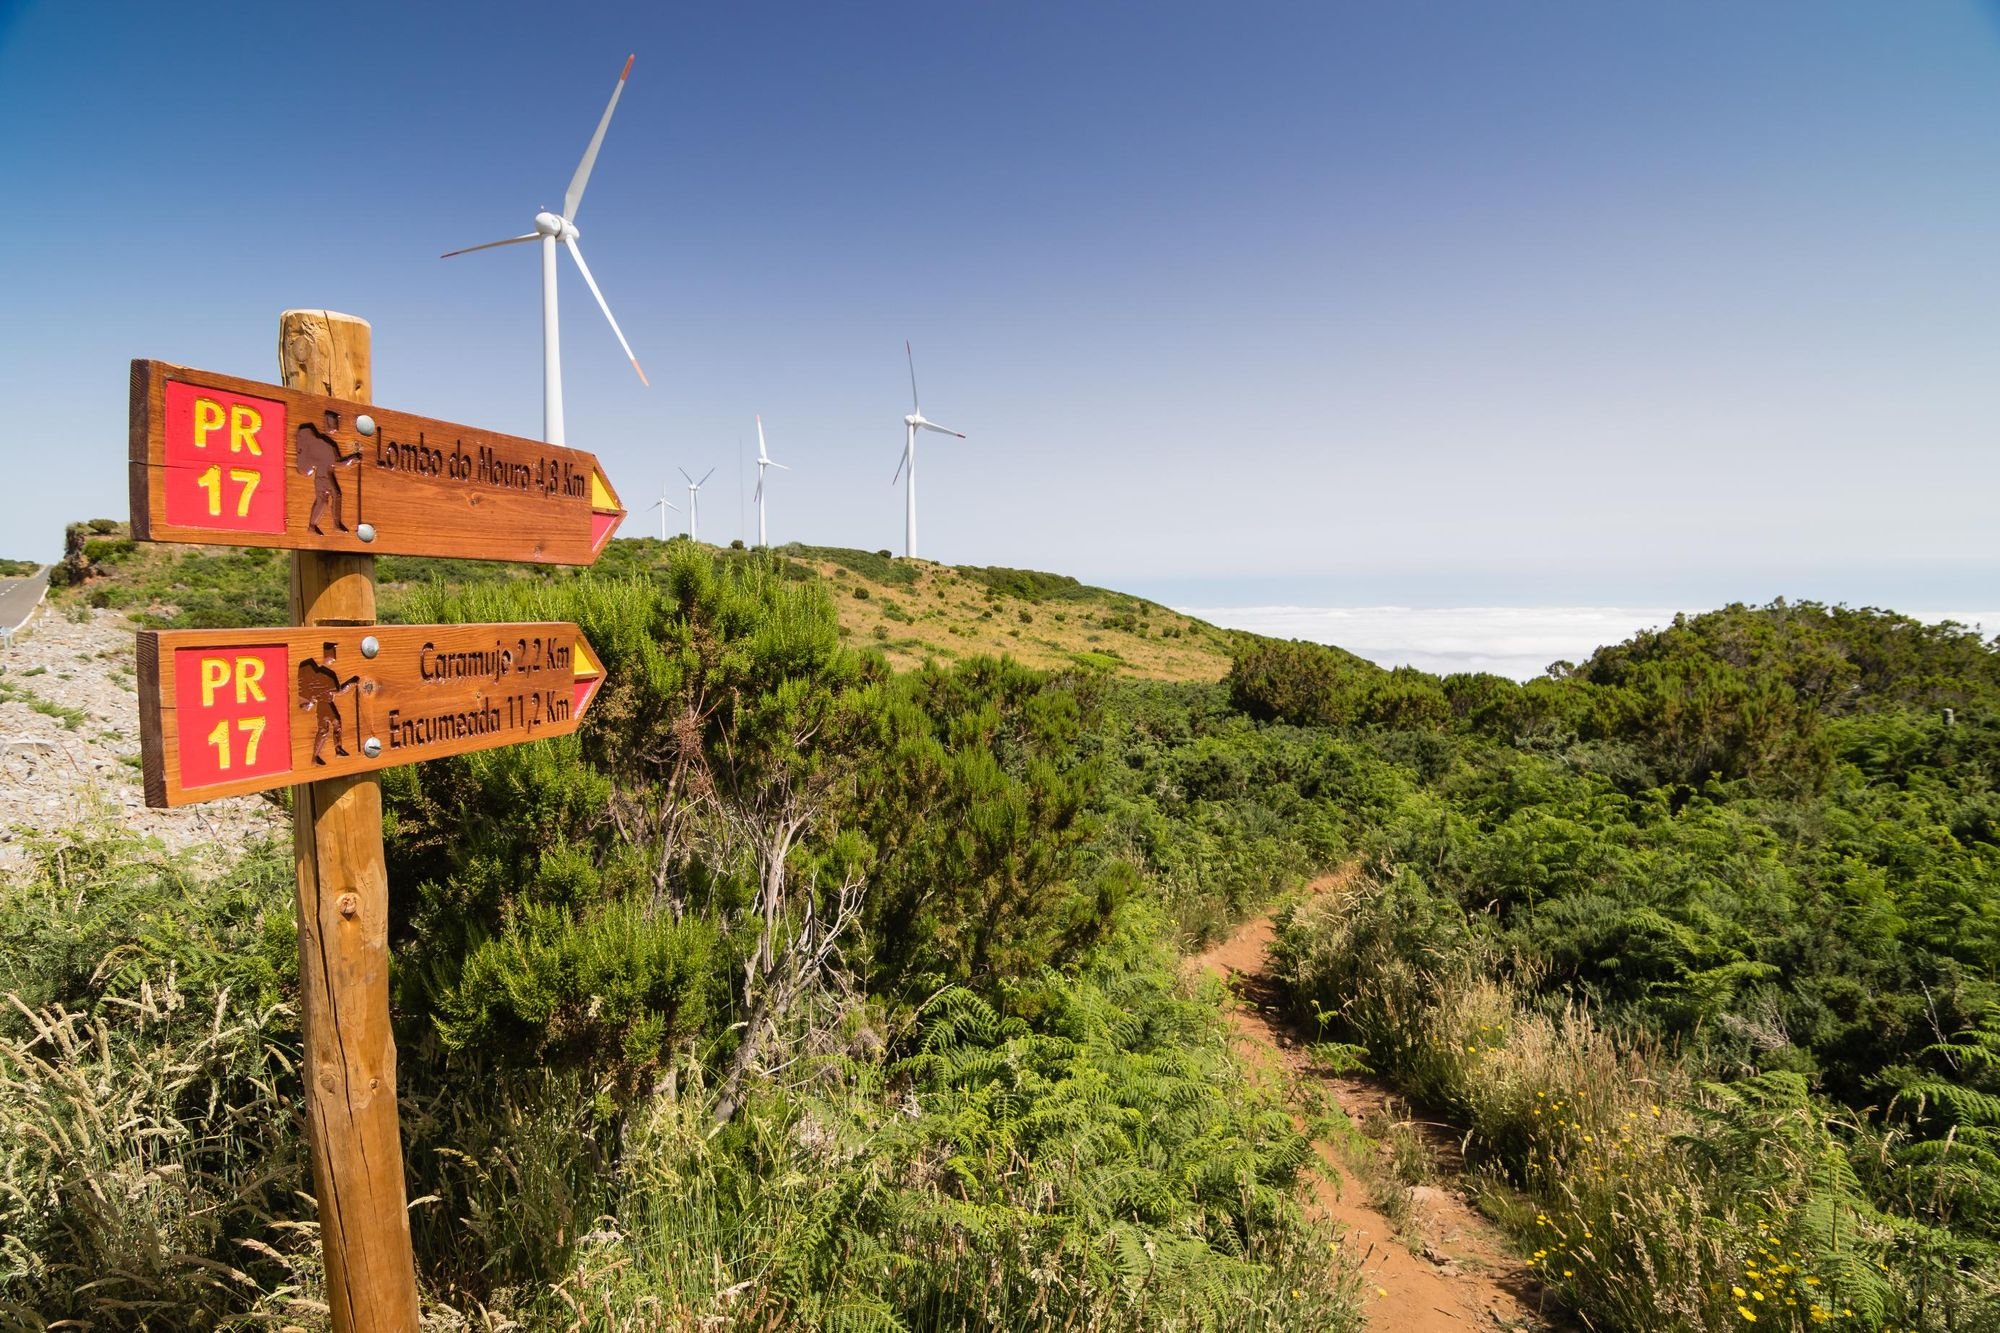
point(780, 466)
point(758, 494)
point(912, 358)
point(684, 472)
point(705, 476)
point(573, 197)
point(576, 253)
point(900, 464)
point(942, 430)
point(511, 240)
point(760, 440)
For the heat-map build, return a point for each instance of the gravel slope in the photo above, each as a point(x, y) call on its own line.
point(69, 745)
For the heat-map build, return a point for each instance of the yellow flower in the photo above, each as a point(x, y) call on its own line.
point(1756, 1295)
point(1747, 1313)
point(1738, 1292)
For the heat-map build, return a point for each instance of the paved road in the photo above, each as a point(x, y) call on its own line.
point(18, 597)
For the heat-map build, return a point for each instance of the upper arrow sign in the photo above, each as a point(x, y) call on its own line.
point(234, 462)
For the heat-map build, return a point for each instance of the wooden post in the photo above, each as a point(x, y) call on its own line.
point(350, 1073)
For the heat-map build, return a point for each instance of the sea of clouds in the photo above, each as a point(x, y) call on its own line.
point(1516, 641)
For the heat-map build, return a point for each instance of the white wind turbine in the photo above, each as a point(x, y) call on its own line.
point(913, 423)
point(663, 505)
point(763, 461)
point(549, 229)
point(694, 501)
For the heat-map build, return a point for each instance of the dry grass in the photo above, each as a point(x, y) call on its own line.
point(149, 1166)
point(945, 615)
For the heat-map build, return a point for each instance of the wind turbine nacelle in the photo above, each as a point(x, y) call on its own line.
point(913, 420)
point(548, 224)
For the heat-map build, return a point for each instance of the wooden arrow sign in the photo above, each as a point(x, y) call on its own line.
point(224, 712)
point(234, 462)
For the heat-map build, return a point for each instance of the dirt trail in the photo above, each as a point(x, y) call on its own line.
point(1466, 1277)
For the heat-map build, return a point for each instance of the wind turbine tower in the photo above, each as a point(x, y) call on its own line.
point(694, 502)
point(549, 230)
point(763, 461)
point(663, 505)
point(913, 423)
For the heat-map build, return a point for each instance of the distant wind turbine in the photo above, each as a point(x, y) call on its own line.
point(663, 505)
point(694, 502)
point(549, 229)
point(913, 423)
point(763, 461)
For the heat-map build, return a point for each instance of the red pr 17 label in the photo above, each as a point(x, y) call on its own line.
point(225, 459)
point(234, 711)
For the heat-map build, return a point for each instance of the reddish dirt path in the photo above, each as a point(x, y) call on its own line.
point(1467, 1278)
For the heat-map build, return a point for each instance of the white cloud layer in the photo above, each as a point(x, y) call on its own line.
point(1516, 641)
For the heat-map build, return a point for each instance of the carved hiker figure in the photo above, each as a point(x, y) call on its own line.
point(319, 686)
point(317, 455)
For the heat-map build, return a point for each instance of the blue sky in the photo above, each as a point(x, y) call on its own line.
point(1432, 303)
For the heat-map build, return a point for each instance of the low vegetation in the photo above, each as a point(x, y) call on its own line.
point(798, 990)
point(1701, 942)
point(791, 992)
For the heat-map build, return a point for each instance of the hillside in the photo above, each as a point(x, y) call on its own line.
point(911, 611)
point(826, 995)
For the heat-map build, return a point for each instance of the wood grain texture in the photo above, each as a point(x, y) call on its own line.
point(343, 887)
point(312, 698)
point(425, 487)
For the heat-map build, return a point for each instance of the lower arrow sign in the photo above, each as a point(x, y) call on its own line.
point(224, 712)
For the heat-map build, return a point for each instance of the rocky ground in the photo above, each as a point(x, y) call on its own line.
point(69, 745)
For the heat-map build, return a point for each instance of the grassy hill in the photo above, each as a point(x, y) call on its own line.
point(911, 610)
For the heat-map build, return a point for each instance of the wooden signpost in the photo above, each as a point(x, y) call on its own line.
point(225, 712)
point(222, 460)
point(314, 467)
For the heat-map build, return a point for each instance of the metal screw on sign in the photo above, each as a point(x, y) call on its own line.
point(365, 531)
point(371, 747)
point(365, 424)
point(370, 645)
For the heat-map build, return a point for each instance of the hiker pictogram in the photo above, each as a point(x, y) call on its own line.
point(320, 688)
point(317, 455)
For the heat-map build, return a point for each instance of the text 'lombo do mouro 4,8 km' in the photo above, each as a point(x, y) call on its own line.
point(216, 459)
